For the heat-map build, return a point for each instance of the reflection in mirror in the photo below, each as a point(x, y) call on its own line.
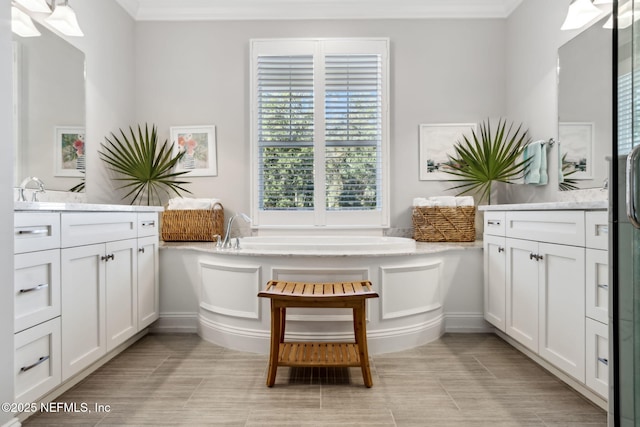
point(584, 107)
point(49, 110)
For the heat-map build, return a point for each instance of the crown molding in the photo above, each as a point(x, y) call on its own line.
point(214, 10)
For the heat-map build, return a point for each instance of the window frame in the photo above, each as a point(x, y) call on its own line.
point(320, 217)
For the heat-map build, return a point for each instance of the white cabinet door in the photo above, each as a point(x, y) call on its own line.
point(597, 357)
point(522, 292)
point(37, 361)
point(121, 291)
point(36, 288)
point(83, 307)
point(494, 280)
point(562, 307)
point(148, 283)
point(597, 288)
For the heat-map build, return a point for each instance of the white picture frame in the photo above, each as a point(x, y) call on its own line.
point(200, 144)
point(69, 151)
point(436, 143)
point(576, 141)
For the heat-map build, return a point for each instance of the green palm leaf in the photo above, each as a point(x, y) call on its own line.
point(486, 157)
point(145, 168)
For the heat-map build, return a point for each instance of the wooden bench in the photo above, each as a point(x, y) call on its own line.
point(320, 354)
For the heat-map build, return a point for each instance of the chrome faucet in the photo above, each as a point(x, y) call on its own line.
point(227, 237)
point(23, 186)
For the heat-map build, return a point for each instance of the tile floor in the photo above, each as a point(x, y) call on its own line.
point(460, 380)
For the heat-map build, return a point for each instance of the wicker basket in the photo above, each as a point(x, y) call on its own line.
point(444, 224)
point(194, 225)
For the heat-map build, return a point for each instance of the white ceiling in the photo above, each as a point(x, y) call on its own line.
point(209, 10)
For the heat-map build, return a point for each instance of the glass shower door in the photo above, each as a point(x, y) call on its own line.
point(624, 211)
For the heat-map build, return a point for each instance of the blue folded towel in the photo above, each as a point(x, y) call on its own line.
point(533, 151)
point(544, 177)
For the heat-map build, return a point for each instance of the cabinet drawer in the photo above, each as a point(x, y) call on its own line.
point(597, 229)
point(89, 228)
point(494, 223)
point(597, 357)
point(563, 227)
point(37, 361)
point(597, 285)
point(36, 231)
point(36, 288)
point(147, 224)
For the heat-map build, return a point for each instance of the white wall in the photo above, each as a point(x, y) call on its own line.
point(533, 37)
point(6, 215)
point(195, 73)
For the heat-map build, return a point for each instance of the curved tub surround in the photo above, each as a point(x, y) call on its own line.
point(423, 293)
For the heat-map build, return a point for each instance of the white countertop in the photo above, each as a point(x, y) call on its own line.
point(421, 248)
point(552, 206)
point(82, 207)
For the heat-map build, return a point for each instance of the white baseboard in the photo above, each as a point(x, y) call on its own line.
point(466, 323)
point(186, 323)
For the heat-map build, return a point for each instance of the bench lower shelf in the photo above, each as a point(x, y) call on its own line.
point(318, 354)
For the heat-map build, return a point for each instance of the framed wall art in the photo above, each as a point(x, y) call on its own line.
point(436, 143)
point(199, 143)
point(576, 148)
point(69, 151)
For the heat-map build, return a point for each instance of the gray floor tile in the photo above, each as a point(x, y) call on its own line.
point(462, 380)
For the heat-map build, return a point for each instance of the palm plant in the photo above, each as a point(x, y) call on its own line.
point(145, 166)
point(487, 157)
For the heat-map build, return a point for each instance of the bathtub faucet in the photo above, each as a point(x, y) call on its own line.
point(227, 237)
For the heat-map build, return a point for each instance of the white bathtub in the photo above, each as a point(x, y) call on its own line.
point(329, 244)
point(423, 293)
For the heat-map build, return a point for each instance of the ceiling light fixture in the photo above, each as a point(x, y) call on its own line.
point(581, 12)
point(39, 6)
point(21, 24)
point(64, 20)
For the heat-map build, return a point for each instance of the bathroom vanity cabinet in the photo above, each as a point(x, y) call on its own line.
point(92, 287)
point(543, 280)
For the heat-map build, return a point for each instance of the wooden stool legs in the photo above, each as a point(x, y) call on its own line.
point(277, 336)
point(360, 332)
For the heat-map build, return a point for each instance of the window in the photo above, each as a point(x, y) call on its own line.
point(319, 132)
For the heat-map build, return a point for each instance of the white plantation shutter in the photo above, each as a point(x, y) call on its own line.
point(319, 132)
point(285, 131)
point(353, 131)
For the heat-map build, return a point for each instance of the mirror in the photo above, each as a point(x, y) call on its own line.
point(49, 110)
point(584, 107)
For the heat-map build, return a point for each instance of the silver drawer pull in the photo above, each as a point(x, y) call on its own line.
point(602, 286)
point(35, 231)
point(500, 249)
point(148, 224)
point(603, 361)
point(141, 250)
point(42, 359)
point(492, 222)
point(108, 257)
point(35, 288)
